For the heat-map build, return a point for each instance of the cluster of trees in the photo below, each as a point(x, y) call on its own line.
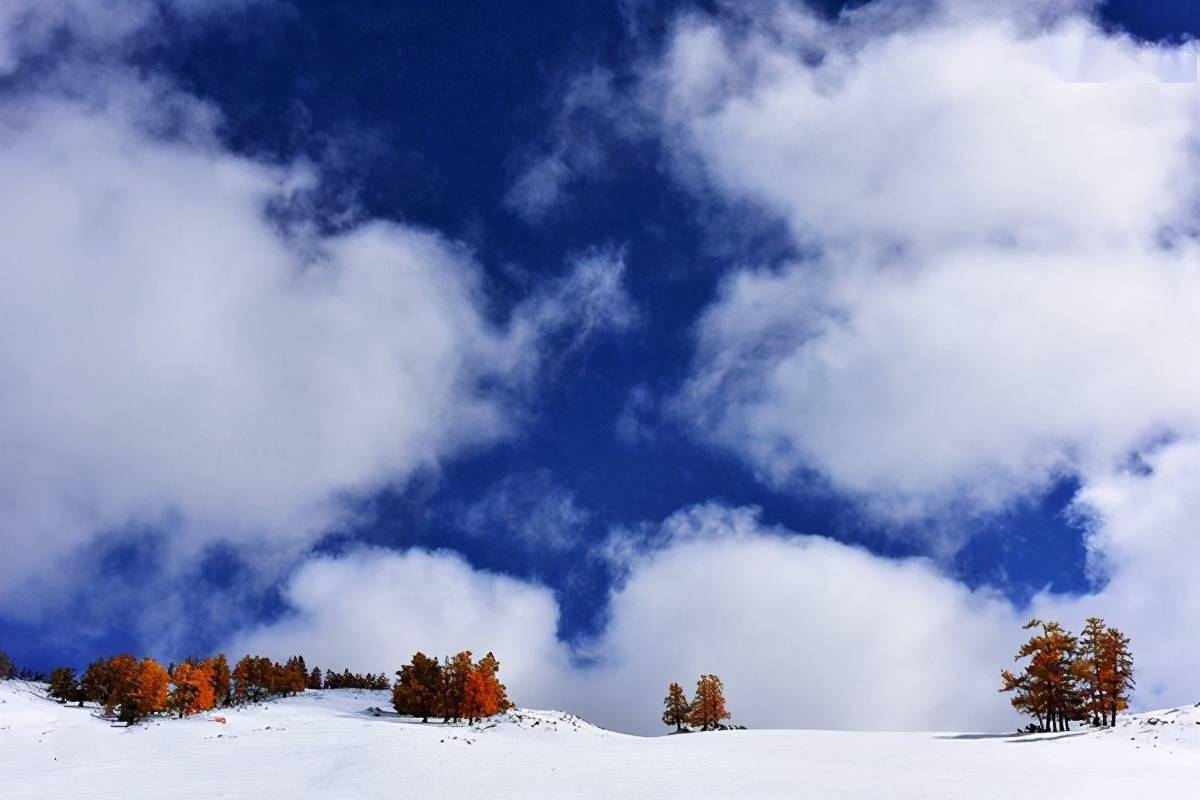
point(8, 671)
point(348, 680)
point(705, 710)
point(454, 689)
point(1084, 678)
point(133, 689)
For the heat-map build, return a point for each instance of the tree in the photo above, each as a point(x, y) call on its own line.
point(254, 679)
point(98, 682)
point(148, 693)
point(418, 687)
point(1048, 687)
point(315, 681)
point(491, 666)
point(1116, 674)
point(193, 688)
point(64, 687)
point(7, 668)
point(455, 673)
point(222, 681)
point(676, 708)
point(708, 706)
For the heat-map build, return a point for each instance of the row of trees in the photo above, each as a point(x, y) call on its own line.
point(133, 689)
point(348, 680)
point(1085, 678)
point(454, 689)
point(704, 711)
point(8, 671)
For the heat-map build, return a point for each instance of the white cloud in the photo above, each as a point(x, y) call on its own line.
point(372, 609)
point(180, 345)
point(804, 631)
point(1003, 288)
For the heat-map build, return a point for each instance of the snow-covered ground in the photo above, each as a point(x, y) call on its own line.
point(331, 744)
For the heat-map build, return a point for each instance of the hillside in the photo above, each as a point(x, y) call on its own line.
point(346, 743)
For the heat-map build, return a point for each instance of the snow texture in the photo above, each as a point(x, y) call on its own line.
point(348, 744)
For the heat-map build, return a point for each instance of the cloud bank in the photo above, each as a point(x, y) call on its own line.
point(186, 344)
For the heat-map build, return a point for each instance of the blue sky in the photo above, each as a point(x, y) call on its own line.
point(602, 240)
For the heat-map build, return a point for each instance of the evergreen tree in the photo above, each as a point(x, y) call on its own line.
point(676, 708)
point(708, 706)
point(64, 687)
point(7, 668)
point(418, 688)
point(222, 681)
point(315, 681)
point(97, 683)
point(455, 673)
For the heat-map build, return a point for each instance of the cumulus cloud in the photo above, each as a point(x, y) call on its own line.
point(1002, 275)
point(372, 609)
point(805, 631)
point(182, 345)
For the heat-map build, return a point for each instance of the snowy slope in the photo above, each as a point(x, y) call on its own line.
point(347, 744)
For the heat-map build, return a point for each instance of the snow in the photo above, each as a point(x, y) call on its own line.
point(348, 744)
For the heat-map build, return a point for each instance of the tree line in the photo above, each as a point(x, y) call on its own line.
point(132, 689)
point(1068, 678)
point(705, 710)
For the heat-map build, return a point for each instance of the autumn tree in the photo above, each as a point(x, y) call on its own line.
point(1104, 672)
point(254, 679)
point(1115, 674)
point(222, 681)
point(676, 709)
point(455, 672)
point(418, 687)
point(64, 686)
point(483, 694)
point(491, 667)
point(1048, 687)
point(708, 706)
point(193, 688)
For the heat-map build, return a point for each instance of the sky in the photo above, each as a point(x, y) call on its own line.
point(817, 346)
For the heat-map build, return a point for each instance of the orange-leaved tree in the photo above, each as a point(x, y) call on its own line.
point(708, 706)
point(193, 687)
point(676, 708)
point(1048, 687)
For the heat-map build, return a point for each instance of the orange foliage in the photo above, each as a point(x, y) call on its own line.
point(708, 706)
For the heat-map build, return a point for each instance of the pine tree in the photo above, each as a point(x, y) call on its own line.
point(455, 672)
point(315, 680)
point(1089, 665)
point(418, 689)
point(491, 666)
point(64, 687)
point(1048, 688)
point(222, 681)
point(8, 669)
point(98, 682)
point(1116, 674)
point(676, 709)
point(708, 706)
